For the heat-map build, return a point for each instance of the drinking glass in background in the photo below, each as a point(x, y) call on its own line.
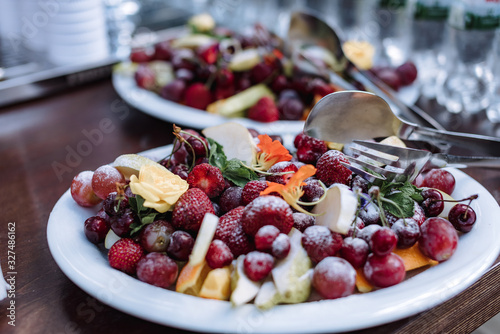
point(471, 33)
point(122, 19)
point(493, 111)
point(427, 24)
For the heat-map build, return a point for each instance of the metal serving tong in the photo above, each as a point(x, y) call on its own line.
point(348, 116)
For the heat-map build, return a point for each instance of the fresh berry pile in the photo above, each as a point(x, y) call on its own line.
point(230, 74)
point(279, 231)
point(396, 77)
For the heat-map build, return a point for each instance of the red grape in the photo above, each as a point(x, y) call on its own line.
point(81, 190)
point(105, 179)
point(334, 277)
point(384, 271)
point(155, 237)
point(174, 91)
point(383, 241)
point(218, 255)
point(265, 237)
point(181, 245)
point(157, 269)
point(355, 251)
point(439, 179)
point(439, 239)
point(407, 230)
point(96, 229)
point(257, 265)
point(281, 246)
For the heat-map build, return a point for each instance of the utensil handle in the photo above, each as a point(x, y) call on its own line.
point(412, 113)
point(457, 161)
point(478, 143)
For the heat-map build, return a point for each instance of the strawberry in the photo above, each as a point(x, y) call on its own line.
point(330, 170)
point(267, 210)
point(281, 167)
point(190, 210)
point(207, 178)
point(264, 110)
point(252, 190)
point(198, 96)
point(230, 231)
point(124, 255)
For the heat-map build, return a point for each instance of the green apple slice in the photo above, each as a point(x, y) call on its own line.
point(243, 288)
point(110, 239)
point(130, 164)
point(204, 238)
point(338, 209)
point(244, 60)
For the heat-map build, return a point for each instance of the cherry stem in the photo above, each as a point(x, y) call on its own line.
point(470, 199)
point(197, 138)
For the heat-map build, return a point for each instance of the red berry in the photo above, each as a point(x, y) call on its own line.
point(264, 238)
point(174, 90)
point(283, 172)
point(439, 239)
point(319, 242)
point(257, 265)
point(291, 109)
point(321, 88)
point(390, 77)
point(105, 179)
point(330, 170)
point(81, 190)
point(383, 241)
point(407, 230)
point(208, 178)
point(433, 203)
point(225, 78)
point(267, 210)
point(301, 221)
point(260, 72)
point(312, 190)
point(230, 231)
point(333, 278)
point(224, 92)
point(124, 255)
point(141, 55)
point(384, 271)
point(309, 149)
point(252, 190)
point(190, 209)
point(209, 53)
point(264, 110)
point(281, 246)
point(439, 179)
point(218, 255)
point(120, 224)
point(157, 269)
point(96, 229)
point(145, 77)
point(163, 51)
point(198, 96)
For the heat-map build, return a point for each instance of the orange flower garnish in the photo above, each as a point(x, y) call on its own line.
point(292, 191)
point(271, 152)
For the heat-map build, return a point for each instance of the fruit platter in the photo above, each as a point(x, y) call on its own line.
point(205, 75)
point(258, 237)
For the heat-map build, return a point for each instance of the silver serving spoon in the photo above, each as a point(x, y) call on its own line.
point(306, 28)
point(348, 115)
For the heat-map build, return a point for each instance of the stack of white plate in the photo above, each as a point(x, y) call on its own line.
point(77, 32)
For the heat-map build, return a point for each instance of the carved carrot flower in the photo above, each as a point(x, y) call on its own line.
point(271, 152)
point(292, 191)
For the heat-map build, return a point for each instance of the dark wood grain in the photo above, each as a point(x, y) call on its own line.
point(35, 140)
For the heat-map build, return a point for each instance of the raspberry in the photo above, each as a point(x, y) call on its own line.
point(252, 190)
point(301, 221)
point(264, 238)
point(309, 149)
point(190, 210)
point(281, 246)
point(330, 170)
point(267, 210)
point(157, 269)
point(124, 255)
point(264, 110)
point(207, 178)
point(319, 242)
point(312, 190)
point(230, 199)
point(230, 231)
point(281, 167)
point(218, 255)
point(257, 265)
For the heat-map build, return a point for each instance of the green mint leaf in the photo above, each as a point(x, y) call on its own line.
point(238, 174)
point(216, 156)
point(403, 201)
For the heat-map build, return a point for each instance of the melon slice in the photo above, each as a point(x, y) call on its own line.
point(217, 285)
point(413, 257)
point(362, 283)
point(191, 278)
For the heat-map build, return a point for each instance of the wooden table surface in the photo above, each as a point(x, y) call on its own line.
point(36, 168)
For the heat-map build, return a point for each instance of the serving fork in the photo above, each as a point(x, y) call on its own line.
point(380, 162)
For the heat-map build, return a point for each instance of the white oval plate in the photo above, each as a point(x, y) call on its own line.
point(88, 268)
point(154, 105)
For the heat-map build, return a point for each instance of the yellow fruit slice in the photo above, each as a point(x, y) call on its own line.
point(393, 141)
point(217, 285)
point(191, 278)
point(130, 164)
point(362, 283)
point(413, 258)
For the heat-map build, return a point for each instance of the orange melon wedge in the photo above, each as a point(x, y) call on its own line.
point(191, 278)
point(362, 283)
point(413, 257)
point(217, 285)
